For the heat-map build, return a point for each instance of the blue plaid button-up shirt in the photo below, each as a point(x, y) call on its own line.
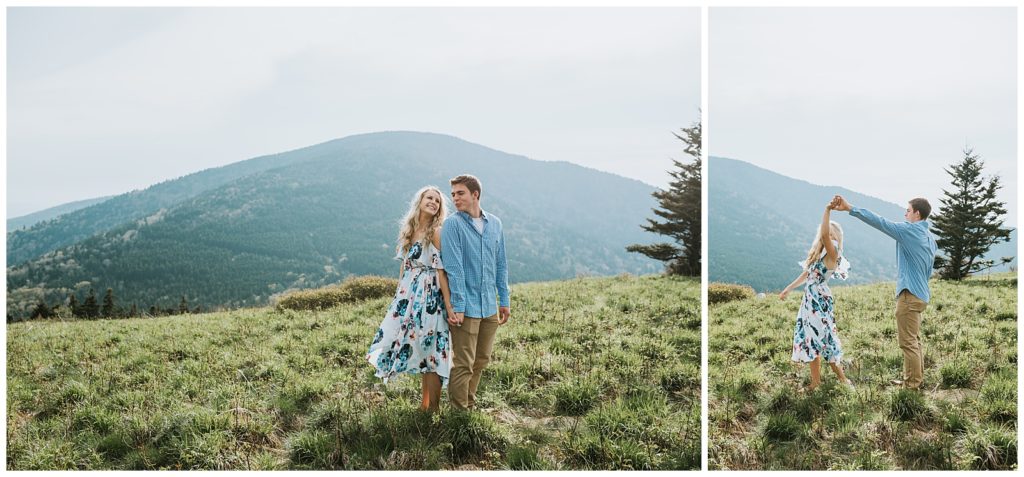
point(475, 264)
point(915, 251)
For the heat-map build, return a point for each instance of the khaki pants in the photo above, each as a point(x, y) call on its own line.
point(471, 351)
point(908, 328)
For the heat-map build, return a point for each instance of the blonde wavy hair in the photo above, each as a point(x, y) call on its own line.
point(817, 246)
point(411, 222)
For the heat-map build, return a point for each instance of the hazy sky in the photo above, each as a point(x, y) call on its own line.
point(878, 100)
point(105, 100)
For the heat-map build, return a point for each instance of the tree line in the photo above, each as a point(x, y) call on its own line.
point(90, 308)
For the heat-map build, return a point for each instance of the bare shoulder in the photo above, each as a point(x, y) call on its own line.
point(436, 238)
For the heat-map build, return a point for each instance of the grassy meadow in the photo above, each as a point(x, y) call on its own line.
point(966, 418)
point(592, 373)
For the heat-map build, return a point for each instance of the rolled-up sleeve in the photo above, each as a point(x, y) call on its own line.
point(451, 255)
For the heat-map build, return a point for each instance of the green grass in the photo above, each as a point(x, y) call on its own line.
point(592, 373)
point(966, 417)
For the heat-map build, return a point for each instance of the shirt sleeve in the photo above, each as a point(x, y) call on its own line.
point(451, 255)
point(501, 273)
point(892, 229)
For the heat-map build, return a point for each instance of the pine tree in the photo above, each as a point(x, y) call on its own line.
point(108, 303)
point(183, 306)
point(73, 306)
point(91, 309)
point(42, 310)
point(680, 209)
point(969, 220)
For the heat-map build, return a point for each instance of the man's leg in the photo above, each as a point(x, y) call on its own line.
point(464, 345)
point(484, 345)
point(908, 327)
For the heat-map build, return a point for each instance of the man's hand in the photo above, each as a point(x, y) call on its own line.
point(839, 203)
point(503, 314)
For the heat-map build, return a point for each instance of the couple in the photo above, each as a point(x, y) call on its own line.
point(816, 335)
point(452, 278)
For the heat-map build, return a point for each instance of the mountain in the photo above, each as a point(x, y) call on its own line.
point(67, 229)
point(761, 223)
point(330, 211)
point(44, 215)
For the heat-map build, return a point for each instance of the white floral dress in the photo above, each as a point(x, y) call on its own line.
point(816, 332)
point(414, 337)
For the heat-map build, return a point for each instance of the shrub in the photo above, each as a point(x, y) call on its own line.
point(369, 287)
point(724, 292)
point(352, 290)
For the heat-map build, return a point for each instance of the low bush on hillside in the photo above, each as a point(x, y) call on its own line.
point(352, 290)
point(725, 292)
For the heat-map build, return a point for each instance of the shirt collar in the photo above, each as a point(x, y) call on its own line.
point(483, 215)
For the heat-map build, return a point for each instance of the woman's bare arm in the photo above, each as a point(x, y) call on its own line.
point(801, 279)
point(831, 255)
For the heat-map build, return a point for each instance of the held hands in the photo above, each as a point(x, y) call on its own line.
point(503, 314)
point(839, 203)
point(455, 319)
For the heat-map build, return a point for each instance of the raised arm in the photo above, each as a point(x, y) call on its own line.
point(825, 232)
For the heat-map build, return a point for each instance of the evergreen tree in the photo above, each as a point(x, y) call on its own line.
point(969, 220)
point(108, 304)
point(91, 308)
point(73, 306)
point(134, 312)
point(183, 306)
point(680, 209)
point(42, 310)
point(153, 311)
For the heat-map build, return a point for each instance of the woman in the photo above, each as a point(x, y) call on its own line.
point(413, 338)
point(816, 336)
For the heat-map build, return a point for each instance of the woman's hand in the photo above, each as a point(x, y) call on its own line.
point(782, 295)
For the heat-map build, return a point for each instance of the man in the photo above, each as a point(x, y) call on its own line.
point(473, 253)
point(915, 256)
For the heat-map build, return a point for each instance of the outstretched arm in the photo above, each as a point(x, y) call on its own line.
point(801, 279)
point(892, 229)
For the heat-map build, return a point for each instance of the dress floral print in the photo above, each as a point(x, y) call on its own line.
point(414, 337)
point(816, 332)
